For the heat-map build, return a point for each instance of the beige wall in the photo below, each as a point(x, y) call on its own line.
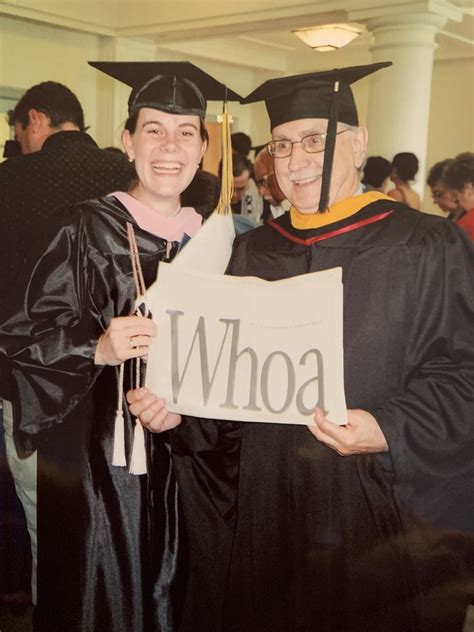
point(451, 114)
point(30, 53)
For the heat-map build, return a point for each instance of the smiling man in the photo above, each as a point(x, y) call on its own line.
point(326, 536)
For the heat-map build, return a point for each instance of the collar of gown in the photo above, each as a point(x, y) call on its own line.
point(187, 221)
point(335, 213)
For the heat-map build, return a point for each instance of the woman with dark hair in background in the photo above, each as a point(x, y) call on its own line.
point(376, 172)
point(459, 177)
point(202, 193)
point(441, 194)
point(108, 539)
point(404, 168)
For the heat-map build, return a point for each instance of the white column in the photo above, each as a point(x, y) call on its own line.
point(399, 102)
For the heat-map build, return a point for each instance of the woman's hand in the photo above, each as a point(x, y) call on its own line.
point(126, 337)
point(151, 411)
point(361, 435)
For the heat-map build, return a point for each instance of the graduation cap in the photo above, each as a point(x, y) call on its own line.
point(176, 87)
point(325, 95)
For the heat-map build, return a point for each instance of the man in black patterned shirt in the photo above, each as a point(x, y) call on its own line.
point(60, 165)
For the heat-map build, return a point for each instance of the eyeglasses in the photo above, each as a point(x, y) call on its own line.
point(312, 144)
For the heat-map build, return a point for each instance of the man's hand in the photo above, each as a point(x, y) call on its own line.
point(361, 435)
point(126, 337)
point(151, 411)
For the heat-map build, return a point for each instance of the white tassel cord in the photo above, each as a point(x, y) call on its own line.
point(138, 460)
point(138, 457)
point(118, 457)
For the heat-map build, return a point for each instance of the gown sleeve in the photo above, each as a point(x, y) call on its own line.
point(206, 456)
point(429, 424)
point(50, 340)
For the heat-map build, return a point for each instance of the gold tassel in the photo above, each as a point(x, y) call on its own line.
point(138, 460)
point(227, 183)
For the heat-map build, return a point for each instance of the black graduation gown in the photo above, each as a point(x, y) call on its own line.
point(320, 542)
point(103, 564)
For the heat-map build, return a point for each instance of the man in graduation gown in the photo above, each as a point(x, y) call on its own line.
point(368, 526)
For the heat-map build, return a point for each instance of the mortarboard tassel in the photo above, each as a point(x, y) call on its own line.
point(138, 459)
point(329, 150)
point(227, 185)
point(118, 457)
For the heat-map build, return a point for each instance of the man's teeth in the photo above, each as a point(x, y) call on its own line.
point(307, 180)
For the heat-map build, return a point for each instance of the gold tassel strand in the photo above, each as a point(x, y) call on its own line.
point(227, 184)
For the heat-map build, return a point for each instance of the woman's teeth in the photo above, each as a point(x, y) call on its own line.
point(168, 167)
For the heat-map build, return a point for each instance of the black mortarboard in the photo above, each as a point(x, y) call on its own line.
point(175, 87)
point(326, 94)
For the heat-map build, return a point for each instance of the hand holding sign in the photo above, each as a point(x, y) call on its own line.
point(151, 410)
point(360, 435)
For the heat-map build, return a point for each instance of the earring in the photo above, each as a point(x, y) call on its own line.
point(130, 159)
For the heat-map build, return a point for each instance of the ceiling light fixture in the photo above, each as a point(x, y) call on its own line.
point(328, 37)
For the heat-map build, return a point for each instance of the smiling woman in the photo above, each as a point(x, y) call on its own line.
point(107, 555)
point(167, 150)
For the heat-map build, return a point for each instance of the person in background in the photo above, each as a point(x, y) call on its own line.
point(245, 201)
point(110, 547)
point(241, 143)
point(367, 526)
point(442, 196)
point(245, 188)
point(376, 173)
point(15, 546)
point(59, 164)
point(268, 186)
point(459, 177)
point(403, 170)
point(202, 193)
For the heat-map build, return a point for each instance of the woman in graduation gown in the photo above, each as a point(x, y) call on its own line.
point(108, 538)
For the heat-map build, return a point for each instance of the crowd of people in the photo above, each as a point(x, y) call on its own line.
point(144, 520)
point(450, 181)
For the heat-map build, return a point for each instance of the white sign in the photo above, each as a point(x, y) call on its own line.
point(241, 348)
point(210, 249)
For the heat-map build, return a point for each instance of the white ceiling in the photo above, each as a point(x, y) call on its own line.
point(265, 30)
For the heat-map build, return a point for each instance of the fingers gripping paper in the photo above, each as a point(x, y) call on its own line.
point(245, 349)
